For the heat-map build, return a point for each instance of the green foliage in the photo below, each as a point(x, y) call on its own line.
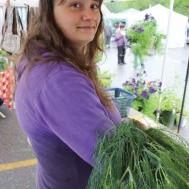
point(141, 40)
point(144, 35)
point(158, 45)
point(146, 93)
point(99, 56)
point(133, 158)
point(102, 45)
point(3, 60)
point(170, 100)
point(105, 78)
point(116, 6)
point(180, 6)
point(121, 6)
point(150, 106)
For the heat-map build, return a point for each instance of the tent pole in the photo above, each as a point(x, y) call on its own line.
point(167, 37)
point(165, 55)
point(183, 99)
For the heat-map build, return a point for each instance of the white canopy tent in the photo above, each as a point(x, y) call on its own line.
point(19, 2)
point(128, 15)
point(22, 2)
point(125, 14)
point(106, 12)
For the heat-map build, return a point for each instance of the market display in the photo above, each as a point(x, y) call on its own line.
point(6, 87)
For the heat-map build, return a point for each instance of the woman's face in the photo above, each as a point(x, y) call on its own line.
point(78, 20)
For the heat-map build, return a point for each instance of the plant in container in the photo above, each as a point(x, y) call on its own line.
point(170, 107)
point(144, 37)
point(146, 93)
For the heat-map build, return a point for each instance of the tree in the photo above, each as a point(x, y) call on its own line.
point(180, 6)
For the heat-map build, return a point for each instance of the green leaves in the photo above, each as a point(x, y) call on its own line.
point(3, 60)
point(143, 36)
point(180, 6)
point(105, 78)
point(138, 159)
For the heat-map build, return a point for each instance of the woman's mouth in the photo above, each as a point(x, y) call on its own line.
point(86, 27)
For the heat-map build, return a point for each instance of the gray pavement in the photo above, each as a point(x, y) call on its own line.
point(13, 148)
point(13, 143)
point(22, 178)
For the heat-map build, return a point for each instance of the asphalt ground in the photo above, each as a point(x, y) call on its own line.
point(17, 162)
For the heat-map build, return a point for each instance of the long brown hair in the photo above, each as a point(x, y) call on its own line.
point(45, 36)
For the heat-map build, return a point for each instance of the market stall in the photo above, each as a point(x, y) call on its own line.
point(16, 17)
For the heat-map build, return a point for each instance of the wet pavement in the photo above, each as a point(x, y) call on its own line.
point(13, 143)
point(14, 148)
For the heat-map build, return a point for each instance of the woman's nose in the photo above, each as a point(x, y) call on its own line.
point(87, 14)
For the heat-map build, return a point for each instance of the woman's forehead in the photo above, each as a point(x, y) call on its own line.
point(61, 1)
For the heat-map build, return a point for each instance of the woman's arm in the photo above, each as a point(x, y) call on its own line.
point(71, 109)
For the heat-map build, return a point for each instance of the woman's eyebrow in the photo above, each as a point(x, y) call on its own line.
point(60, 2)
point(96, 1)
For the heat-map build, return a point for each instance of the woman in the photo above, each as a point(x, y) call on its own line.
point(60, 104)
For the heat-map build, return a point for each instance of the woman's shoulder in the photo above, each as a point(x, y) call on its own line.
point(60, 74)
point(64, 70)
point(45, 73)
point(47, 69)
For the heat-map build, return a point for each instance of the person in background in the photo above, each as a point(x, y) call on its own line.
point(60, 104)
point(120, 38)
point(108, 33)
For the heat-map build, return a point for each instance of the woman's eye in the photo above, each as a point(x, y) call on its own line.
point(95, 6)
point(76, 5)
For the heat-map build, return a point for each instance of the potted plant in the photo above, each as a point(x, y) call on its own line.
point(143, 37)
point(170, 107)
point(148, 97)
point(146, 93)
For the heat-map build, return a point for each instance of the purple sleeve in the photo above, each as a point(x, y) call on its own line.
point(118, 35)
point(71, 109)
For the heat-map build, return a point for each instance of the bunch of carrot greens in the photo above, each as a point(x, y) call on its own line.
point(133, 158)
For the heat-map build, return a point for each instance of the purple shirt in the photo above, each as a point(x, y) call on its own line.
point(60, 112)
point(120, 39)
